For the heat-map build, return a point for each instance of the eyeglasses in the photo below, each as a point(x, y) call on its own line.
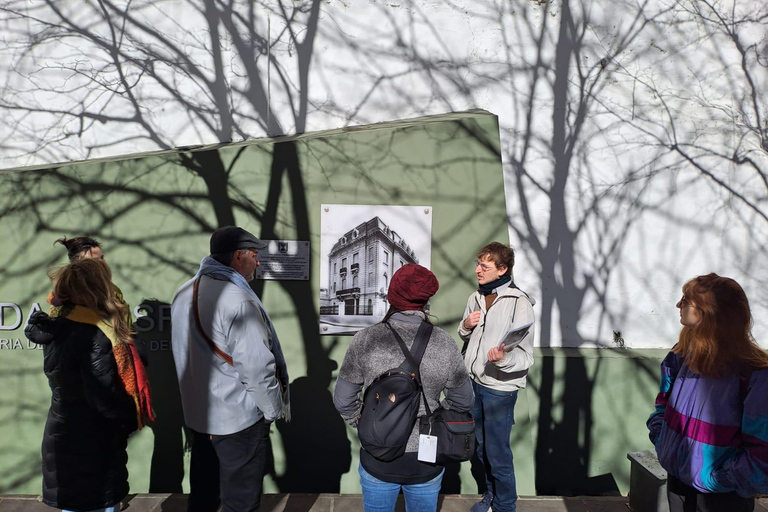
point(483, 267)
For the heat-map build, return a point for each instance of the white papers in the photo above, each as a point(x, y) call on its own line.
point(515, 336)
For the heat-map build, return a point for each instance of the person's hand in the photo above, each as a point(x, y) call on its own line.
point(40, 318)
point(472, 320)
point(495, 354)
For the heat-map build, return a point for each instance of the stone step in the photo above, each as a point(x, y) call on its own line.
point(347, 503)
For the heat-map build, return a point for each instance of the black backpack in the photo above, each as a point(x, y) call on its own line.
point(391, 402)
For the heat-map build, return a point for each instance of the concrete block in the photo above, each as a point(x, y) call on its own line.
point(647, 483)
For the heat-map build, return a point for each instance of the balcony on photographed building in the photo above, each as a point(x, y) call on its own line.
point(348, 293)
point(355, 268)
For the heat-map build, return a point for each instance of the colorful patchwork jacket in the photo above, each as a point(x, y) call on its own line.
point(711, 433)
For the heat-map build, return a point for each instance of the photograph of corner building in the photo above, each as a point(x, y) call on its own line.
point(361, 262)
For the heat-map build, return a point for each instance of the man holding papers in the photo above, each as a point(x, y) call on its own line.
point(498, 329)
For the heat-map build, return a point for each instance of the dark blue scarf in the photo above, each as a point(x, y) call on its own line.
point(488, 288)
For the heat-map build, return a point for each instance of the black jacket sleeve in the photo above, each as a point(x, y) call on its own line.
point(41, 328)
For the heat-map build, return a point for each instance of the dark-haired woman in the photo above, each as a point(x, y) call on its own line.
point(99, 390)
point(710, 427)
point(81, 247)
point(78, 248)
point(373, 351)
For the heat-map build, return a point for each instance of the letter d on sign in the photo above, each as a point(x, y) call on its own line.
point(5, 306)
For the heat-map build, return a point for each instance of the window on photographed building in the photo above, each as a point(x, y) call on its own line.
point(401, 264)
point(334, 267)
point(354, 281)
point(355, 257)
point(343, 262)
point(343, 283)
point(371, 254)
point(386, 257)
point(334, 287)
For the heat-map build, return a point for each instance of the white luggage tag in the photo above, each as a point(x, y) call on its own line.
point(427, 448)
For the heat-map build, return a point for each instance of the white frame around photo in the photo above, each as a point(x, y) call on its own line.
point(361, 247)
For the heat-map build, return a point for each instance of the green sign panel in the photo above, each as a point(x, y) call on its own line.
point(154, 215)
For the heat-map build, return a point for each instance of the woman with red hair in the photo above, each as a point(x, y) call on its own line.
point(710, 427)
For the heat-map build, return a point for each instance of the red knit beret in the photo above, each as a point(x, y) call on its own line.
point(411, 287)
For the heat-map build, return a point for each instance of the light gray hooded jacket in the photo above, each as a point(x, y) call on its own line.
point(217, 398)
point(511, 308)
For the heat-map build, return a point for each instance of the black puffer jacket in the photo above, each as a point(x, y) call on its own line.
point(84, 457)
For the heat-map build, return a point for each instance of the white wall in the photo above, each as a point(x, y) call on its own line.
point(632, 138)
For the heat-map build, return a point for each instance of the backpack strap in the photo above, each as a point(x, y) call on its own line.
point(216, 350)
point(413, 356)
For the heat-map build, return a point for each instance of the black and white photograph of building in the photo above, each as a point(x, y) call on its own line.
point(361, 247)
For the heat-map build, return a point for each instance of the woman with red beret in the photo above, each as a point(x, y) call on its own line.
point(375, 350)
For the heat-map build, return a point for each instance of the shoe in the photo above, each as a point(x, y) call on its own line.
point(483, 505)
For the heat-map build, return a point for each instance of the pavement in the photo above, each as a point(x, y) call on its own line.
point(348, 503)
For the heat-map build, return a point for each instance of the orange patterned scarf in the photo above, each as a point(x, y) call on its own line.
point(129, 365)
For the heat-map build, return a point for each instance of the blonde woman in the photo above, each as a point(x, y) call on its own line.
point(99, 392)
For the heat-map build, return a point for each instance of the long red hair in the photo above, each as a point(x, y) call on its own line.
point(721, 343)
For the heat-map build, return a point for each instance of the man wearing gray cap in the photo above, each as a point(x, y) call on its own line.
point(231, 370)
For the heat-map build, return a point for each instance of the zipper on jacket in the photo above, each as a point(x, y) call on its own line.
point(479, 341)
point(477, 352)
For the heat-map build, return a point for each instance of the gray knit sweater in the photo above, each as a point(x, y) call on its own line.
point(374, 350)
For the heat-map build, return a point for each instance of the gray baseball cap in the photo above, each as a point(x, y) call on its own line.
point(231, 238)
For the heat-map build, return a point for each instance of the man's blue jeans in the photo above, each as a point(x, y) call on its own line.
point(380, 496)
point(494, 414)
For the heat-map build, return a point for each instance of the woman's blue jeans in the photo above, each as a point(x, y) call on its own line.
point(380, 496)
point(494, 415)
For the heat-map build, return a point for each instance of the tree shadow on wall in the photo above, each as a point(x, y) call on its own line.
point(317, 450)
point(202, 196)
point(153, 333)
point(196, 192)
point(315, 443)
